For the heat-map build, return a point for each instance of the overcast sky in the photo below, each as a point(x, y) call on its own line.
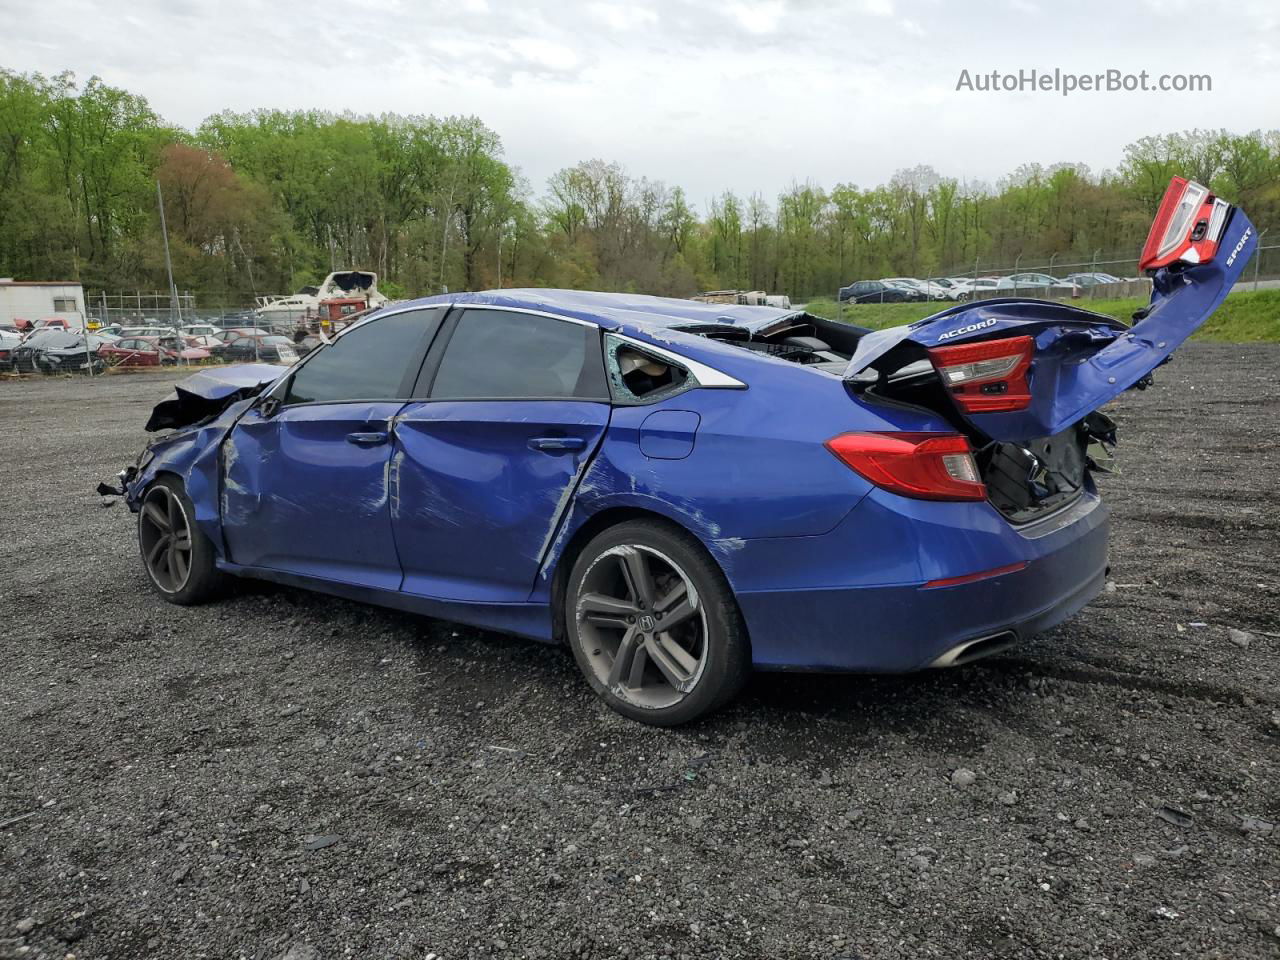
point(745, 94)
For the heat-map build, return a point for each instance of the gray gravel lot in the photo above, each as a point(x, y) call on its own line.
point(286, 775)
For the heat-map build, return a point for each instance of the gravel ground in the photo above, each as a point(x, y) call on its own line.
point(286, 775)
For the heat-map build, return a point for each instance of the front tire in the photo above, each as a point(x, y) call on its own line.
point(176, 555)
point(654, 625)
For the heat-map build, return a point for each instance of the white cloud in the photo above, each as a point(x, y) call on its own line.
point(747, 94)
point(622, 17)
point(758, 16)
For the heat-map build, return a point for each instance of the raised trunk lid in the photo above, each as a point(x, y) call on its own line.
point(1081, 360)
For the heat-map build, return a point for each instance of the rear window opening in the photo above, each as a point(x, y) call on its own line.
point(800, 338)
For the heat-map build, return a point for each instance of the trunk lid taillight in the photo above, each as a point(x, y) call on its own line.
point(987, 377)
point(1187, 227)
point(923, 466)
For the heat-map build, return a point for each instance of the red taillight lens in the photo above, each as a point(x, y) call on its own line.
point(925, 466)
point(987, 377)
point(1187, 226)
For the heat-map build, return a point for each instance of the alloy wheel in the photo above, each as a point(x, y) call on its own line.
point(642, 626)
point(165, 536)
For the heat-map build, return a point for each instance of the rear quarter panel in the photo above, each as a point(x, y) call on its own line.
point(758, 467)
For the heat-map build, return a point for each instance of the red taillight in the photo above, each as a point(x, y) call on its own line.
point(1187, 226)
point(925, 466)
point(987, 377)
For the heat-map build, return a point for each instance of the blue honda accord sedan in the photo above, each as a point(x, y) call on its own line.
point(681, 492)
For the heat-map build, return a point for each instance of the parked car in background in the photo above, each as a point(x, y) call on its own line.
point(204, 341)
point(200, 330)
point(877, 291)
point(230, 333)
point(10, 340)
point(909, 283)
point(53, 350)
point(948, 289)
point(1091, 279)
point(983, 287)
point(150, 352)
point(53, 323)
point(131, 352)
point(266, 348)
point(931, 289)
point(1042, 281)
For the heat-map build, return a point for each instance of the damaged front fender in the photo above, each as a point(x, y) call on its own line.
point(206, 407)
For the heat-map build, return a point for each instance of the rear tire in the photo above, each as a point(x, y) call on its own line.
point(178, 558)
point(625, 583)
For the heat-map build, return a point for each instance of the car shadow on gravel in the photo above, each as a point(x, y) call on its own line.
point(461, 666)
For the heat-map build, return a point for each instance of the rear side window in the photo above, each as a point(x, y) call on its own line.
point(369, 363)
point(495, 354)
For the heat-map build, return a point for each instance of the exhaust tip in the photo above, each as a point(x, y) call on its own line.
point(972, 650)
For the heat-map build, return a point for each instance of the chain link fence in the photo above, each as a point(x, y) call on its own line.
point(1029, 277)
point(139, 331)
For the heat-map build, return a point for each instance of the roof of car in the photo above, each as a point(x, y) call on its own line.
point(613, 310)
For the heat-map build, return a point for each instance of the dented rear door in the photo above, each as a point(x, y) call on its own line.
point(514, 407)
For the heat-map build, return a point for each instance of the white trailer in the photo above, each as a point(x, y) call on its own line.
point(39, 300)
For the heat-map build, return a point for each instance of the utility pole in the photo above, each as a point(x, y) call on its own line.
point(168, 261)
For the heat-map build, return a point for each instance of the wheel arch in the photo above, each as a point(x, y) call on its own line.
point(595, 524)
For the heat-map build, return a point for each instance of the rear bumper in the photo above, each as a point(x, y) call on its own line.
point(884, 617)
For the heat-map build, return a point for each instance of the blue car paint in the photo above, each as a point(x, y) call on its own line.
point(478, 486)
point(301, 497)
point(830, 572)
point(668, 434)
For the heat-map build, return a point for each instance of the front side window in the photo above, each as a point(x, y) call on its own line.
point(497, 354)
point(369, 363)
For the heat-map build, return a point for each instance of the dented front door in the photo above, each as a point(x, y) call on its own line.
point(306, 492)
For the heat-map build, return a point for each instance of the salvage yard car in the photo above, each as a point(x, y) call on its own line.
point(267, 347)
point(150, 352)
point(54, 350)
point(878, 291)
point(682, 492)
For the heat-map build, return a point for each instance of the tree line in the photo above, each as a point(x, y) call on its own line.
point(266, 201)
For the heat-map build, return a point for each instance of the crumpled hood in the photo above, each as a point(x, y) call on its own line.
point(207, 393)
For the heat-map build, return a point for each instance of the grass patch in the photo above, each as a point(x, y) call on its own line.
point(1244, 317)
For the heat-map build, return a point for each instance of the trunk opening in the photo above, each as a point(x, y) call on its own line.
point(1025, 481)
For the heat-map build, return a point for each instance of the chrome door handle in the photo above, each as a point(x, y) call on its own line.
point(557, 444)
